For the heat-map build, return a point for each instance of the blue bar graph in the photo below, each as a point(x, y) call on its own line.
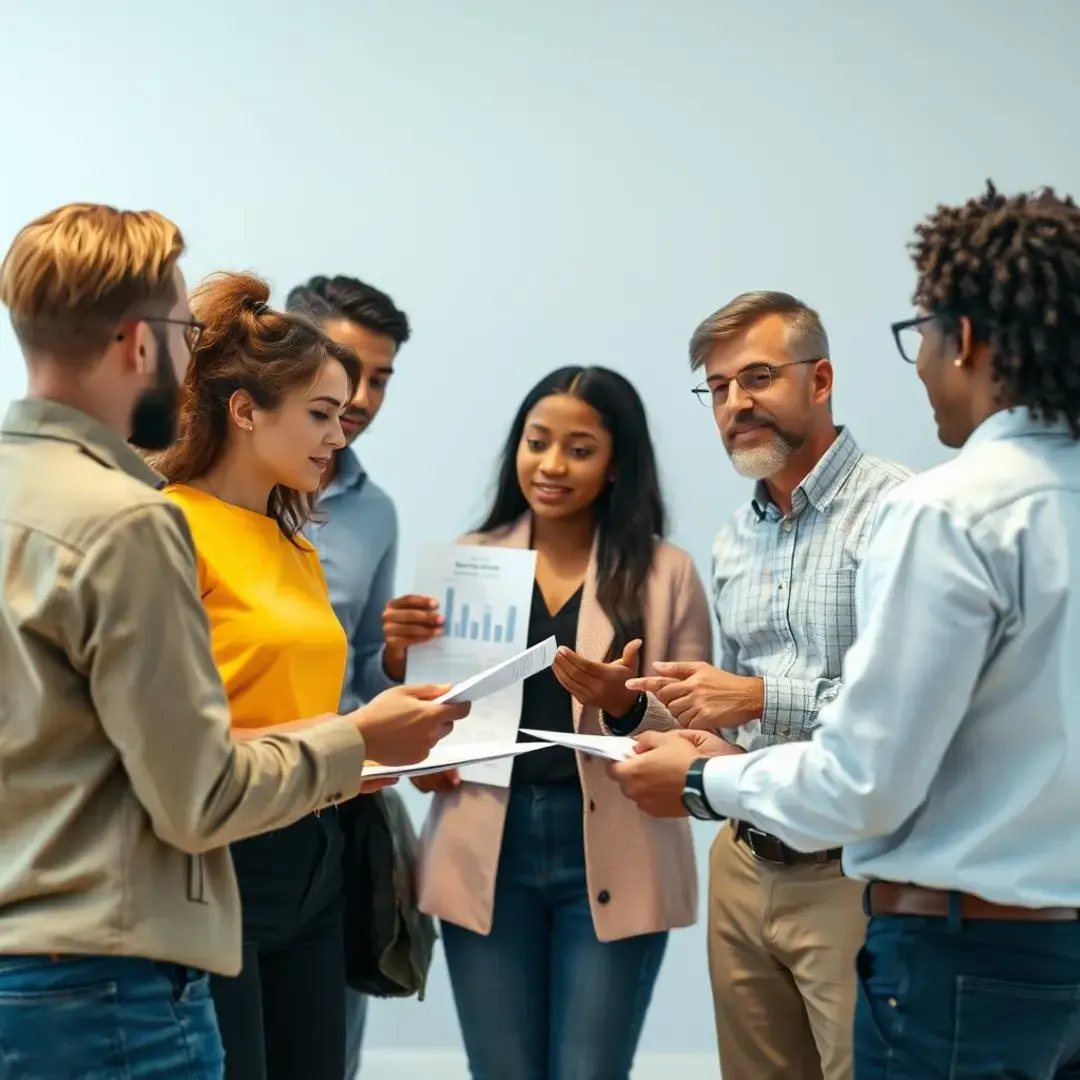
point(486, 628)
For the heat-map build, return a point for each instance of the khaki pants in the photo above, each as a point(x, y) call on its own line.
point(782, 946)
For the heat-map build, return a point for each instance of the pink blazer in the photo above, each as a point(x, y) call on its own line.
point(640, 870)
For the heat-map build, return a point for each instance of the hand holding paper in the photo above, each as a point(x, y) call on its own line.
point(401, 725)
point(654, 775)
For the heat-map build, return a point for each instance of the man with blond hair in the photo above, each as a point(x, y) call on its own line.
point(119, 782)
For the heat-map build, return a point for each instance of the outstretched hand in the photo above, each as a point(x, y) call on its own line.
point(593, 682)
point(699, 695)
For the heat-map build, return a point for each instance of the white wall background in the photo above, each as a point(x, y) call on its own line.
point(541, 184)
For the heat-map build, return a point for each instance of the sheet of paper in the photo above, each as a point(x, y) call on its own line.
point(484, 594)
point(454, 757)
point(612, 747)
point(516, 669)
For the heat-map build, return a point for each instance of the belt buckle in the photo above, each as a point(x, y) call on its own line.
point(765, 847)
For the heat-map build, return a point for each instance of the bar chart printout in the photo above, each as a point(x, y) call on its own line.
point(484, 595)
point(465, 623)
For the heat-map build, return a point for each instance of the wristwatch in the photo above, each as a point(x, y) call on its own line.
point(693, 793)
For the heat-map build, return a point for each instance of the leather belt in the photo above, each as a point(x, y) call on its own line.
point(890, 898)
point(771, 849)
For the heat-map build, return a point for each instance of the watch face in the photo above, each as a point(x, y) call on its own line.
point(696, 805)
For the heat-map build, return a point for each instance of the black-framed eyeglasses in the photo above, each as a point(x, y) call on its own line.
point(907, 336)
point(193, 331)
point(753, 379)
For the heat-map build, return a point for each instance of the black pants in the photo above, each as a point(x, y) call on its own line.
point(283, 1016)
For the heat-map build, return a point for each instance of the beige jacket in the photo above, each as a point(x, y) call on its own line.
point(119, 782)
point(640, 870)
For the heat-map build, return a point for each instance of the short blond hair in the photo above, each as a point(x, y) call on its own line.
point(807, 339)
point(70, 277)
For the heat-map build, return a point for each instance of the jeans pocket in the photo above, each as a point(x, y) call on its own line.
point(1007, 1028)
point(879, 1018)
point(45, 1031)
point(99, 994)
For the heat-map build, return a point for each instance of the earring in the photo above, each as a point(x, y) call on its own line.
point(958, 362)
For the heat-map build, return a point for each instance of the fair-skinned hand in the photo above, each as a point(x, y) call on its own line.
point(440, 781)
point(594, 683)
point(656, 774)
point(401, 725)
point(369, 787)
point(699, 695)
point(407, 620)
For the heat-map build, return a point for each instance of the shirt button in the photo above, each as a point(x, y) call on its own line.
point(787, 526)
point(603, 896)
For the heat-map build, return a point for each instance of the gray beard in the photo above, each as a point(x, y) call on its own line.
point(761, 462)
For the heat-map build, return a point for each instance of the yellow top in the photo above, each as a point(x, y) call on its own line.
point(277, 642)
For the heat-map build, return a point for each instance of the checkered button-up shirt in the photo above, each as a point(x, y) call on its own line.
point(784, 587)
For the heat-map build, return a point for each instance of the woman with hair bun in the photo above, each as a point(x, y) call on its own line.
point(261, 421)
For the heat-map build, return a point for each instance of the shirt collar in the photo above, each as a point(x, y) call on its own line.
point(1012, 424)
point(821, 485)
point(350, 474)
point(34, 418)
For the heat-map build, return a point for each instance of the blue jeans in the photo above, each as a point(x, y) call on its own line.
point(540, 998)
point(355, 1022)
point(944, 999)
point(105, 1018)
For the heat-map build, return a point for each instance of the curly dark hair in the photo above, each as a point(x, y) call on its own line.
point(342, 297)
point(1011, 265)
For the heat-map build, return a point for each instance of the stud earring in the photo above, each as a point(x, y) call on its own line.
point(958, 362)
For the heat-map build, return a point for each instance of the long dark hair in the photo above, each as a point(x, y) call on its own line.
point(630, 512)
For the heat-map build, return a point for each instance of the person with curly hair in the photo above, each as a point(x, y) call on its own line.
point(948, 767)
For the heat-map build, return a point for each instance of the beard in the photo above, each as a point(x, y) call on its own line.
point(154, 417)
point(761, 462)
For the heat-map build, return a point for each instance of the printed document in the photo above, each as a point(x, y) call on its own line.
point(516, 669)
point(444, 757)
point(484, 595)
point(612, 747)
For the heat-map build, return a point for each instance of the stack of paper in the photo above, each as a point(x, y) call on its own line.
point(458, 754)
point(452, 757)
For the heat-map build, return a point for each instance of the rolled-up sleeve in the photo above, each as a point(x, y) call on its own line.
point(927, 614)
point(138, 628)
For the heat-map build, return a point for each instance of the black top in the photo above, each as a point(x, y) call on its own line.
point(545, 704)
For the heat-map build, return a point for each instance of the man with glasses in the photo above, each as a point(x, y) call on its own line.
point(120, 785)
point(784, 926)
point(949, 765)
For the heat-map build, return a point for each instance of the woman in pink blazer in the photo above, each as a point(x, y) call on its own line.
point(556, 895)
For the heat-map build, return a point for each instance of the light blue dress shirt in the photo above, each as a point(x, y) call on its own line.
point(356, 535)
point(951, 757)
